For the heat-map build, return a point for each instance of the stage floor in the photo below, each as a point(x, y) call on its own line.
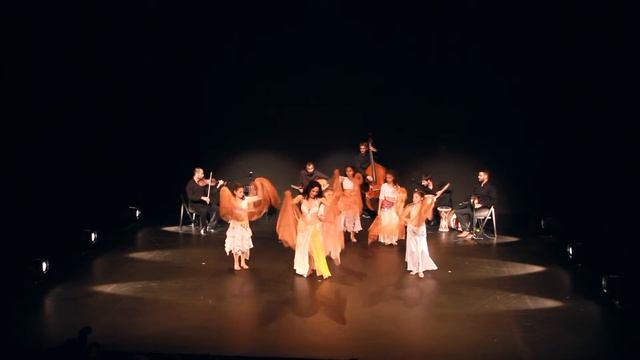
point(171, 292)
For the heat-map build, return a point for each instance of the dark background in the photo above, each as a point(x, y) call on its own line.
point(112, 104)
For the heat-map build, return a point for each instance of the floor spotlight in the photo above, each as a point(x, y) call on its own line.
point(91, 236)
point(136, 212)
point(574, 252)
point(44, 266)
point(610, 284)
point(611, 287)
point(40, 267)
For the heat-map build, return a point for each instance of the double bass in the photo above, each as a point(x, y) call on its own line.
point(377, 173)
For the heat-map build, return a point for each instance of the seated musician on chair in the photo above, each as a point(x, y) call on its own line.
point(308, 174)
point(197, 189)
point(482, 199)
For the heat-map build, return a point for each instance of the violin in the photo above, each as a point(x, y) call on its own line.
point(377, 173)
point(208, 182)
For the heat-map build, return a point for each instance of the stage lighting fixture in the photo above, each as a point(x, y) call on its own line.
point(136, 212)
point(612, 288)
point(92, 236)
point(610, 284)
point(575, 252)
point(40, 267)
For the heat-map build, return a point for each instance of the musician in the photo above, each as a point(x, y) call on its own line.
point(197, 189)
point(482, 199)
point(362, 162)
point(441, 191)
point(308, 174)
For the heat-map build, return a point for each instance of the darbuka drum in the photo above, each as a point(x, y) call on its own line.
point(444, 220)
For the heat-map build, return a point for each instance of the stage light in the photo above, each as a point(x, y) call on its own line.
point(610, 284)
point(612, 288)
point(136, 212)
point(91, 236)
point(575, 252)
point(39, 267)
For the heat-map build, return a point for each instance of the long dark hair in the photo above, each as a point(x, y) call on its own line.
point(311, 185)
point(395, 176)
point(352, 168)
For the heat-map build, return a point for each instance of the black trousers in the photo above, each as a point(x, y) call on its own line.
point(208, 214)
point(466, 216)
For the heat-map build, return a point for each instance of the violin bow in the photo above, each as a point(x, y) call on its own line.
point(210, 178)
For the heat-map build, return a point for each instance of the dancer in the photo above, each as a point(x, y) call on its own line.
point(414, 216)
point(350, 202)
point(238, 209)
point(387, 227)
point(301, 229)
point(332, 224)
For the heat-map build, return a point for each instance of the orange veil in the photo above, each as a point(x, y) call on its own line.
point(267, 197)
point(287, 223)
point(332, 233)
point(374, 229)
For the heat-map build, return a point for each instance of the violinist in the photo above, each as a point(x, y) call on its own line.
point(199, 193)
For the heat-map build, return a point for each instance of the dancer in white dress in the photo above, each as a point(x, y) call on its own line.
point(301, 229)
point(414, 216)
point(387, 227)
point(238, 210)
point(350, 203)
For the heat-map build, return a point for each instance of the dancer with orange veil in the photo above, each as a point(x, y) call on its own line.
point(238, 209)
point(332, 224)
point(387, 227)
point(301, 229)
point(414, 216)
point(350, 202)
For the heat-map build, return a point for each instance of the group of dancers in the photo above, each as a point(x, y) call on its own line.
point(314, 222)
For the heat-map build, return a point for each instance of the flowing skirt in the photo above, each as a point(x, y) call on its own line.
point(350, 205)
point(309, 242)
point(389, 225)
point(238, 239)
point(417, 255)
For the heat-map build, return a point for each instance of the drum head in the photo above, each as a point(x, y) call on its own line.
point(444, 208)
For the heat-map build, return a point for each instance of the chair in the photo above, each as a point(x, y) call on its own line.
point(185, 210)
point(481, 222)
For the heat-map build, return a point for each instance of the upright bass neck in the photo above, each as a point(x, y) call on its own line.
point(371, 161)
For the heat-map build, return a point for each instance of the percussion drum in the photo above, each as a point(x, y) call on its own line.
point(444, 221)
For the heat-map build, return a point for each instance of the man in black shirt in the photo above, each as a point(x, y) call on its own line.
point(482, 199)
point(441, 191)
point(362, 162)
point(308, 174)
point(197, 189)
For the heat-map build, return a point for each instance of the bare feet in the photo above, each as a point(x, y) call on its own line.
point(413, 272)
point(244, 266)
point(236, 267)
point(420, 274)
point(463, 234)
point(353, 239)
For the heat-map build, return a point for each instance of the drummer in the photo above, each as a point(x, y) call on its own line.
point(441, 191)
